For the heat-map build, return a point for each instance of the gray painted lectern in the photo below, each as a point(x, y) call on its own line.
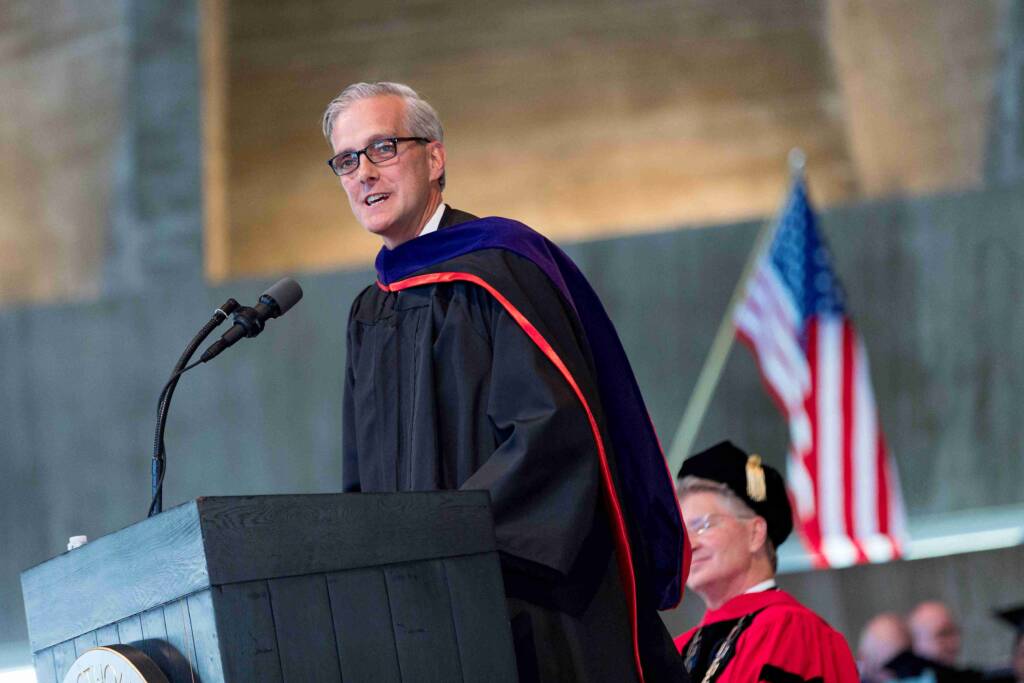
point(296, 588)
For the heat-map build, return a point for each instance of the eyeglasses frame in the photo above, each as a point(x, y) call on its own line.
point(706, 525)
point(363, 151)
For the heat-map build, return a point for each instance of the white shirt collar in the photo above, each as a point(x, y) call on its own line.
point(434, 221)
point(761, 587)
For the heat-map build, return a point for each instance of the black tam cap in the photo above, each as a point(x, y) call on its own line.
point(1014, 617)
point(758, 485)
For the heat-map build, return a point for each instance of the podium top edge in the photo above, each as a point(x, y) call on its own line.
point(217, 540)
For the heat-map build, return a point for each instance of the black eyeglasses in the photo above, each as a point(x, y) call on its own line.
point(377, 151)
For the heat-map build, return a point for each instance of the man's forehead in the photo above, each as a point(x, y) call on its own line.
point(702, 502)
point(368, 119)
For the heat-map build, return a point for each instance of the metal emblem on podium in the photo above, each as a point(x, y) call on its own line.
point(114, 664)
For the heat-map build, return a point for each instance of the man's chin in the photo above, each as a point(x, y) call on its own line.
point(374, 222)
point(380, 228)
point(391, 234)
point(697, 582)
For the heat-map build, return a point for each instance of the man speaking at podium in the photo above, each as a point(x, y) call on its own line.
point(482, 359)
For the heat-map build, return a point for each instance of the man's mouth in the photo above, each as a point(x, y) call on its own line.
point(375, 198)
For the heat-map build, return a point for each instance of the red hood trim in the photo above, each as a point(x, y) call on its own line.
point(624, 557)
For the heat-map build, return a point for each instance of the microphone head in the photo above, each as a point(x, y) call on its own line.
point(283, 294)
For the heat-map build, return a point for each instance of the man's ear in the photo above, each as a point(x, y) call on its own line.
point(758, 533)
point(437, 158)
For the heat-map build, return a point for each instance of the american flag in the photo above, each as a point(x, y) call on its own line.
point(793, 317)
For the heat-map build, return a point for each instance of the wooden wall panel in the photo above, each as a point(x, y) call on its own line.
point(107, 635)
point(64, 656)
point(130, 629)
point(468, 577)
point(250, 654)
point(85, 642)
point(62, 79)
point(581, 118)
point(153, 626)
point(421, 617)
point(918, 101)
point(363, 626)
point(204, 637)
point(44, 666)
point(305, 630)
point(180, 636)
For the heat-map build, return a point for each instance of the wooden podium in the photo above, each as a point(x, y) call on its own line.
point(290, 589)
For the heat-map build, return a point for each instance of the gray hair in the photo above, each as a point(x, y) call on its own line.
point(420, 118)
point(690, 484)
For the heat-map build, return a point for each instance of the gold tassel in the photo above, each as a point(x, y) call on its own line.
point(756, 488)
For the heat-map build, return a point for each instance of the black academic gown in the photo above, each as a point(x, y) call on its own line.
point(444, 390)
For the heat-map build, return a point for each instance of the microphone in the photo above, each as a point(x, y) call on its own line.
point(249, 322)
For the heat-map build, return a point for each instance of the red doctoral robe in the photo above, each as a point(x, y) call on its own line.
point(783, 641)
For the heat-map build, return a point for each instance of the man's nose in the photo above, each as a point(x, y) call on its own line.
point(366, 169)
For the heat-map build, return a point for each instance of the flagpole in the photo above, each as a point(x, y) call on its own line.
point(711, 373)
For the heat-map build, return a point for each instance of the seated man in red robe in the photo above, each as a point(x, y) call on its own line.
point(736, 513)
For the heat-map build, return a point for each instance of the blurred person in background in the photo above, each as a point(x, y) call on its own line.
point(935, 633)
point(883, 638)
point(934, 648)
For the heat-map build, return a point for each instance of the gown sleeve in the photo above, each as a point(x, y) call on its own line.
point(543, 476)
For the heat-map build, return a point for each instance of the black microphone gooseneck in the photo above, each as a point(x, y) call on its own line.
point(249, 322)
point(159, 451)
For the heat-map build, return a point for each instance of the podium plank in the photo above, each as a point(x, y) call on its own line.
point(153, 626)
point(245, 624)
point(179, 637)
point(481, 624)
point(205, 643)
point(362, 626)
point(43, 662)
point(63, 657)
point(84, 643)
point(264, 537)
point(421, 614)
point(107, 635)
point(305, 632)
point(130, 630)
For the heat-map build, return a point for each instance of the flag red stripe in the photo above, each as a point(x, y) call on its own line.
point(883, 486)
